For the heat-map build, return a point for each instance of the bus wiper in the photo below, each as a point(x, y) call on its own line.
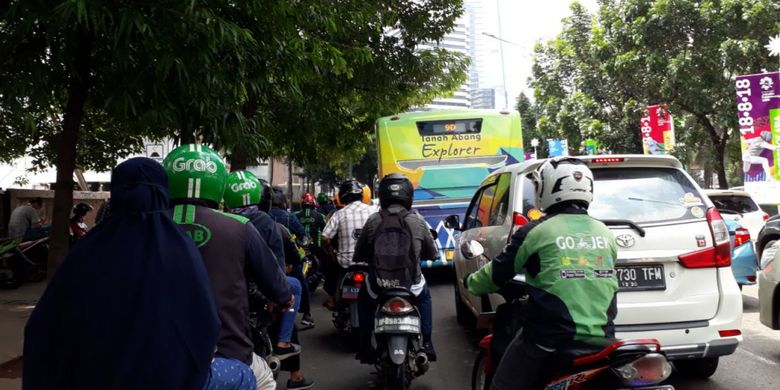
point(627, 222)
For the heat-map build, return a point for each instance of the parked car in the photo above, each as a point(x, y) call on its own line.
point(768, 290)
point(674, 257)
point(767, 237)
point(744, 262)
point(740, 207)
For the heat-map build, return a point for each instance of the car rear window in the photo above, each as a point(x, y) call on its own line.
point(644, 195)
point(734, 203)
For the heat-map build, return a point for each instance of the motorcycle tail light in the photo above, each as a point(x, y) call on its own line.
point(358, 277)
point(648, 370)
point(397, 306)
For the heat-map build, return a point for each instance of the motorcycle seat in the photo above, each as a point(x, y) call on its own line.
point(569, 355)
point(396, 292)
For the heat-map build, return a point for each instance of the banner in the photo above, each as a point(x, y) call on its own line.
point(591, 147)
point(757, 105)
point(557, 147)
point(657, 126)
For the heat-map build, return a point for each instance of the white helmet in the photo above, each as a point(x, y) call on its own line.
point(561, 179)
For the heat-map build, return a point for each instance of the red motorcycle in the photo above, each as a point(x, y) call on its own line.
point(599, 363)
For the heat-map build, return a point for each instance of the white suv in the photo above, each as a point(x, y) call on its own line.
point(673, 266)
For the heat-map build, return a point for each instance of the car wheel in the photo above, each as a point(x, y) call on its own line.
point(697, 368)
point(462, 312)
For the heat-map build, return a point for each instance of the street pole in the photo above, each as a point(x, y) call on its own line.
point(501, 50)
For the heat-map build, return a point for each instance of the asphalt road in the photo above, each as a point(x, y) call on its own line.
point(328, 359)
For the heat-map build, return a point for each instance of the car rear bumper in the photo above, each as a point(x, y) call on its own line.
point(697, 339)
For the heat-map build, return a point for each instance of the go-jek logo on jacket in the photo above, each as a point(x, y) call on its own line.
point(194, 164)
point(243, 186)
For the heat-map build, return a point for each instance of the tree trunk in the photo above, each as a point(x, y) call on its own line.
point(290, 181)
point(238, 159)
point(78, 90)
point(719, 143)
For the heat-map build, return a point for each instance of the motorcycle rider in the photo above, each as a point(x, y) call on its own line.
point(313, 223)
point(230, 246)
point(396, 194)
point(242, 195)
point(326, 206)
point(280, 214)
point(25, 220)
point(344, 225)
point(568, 259)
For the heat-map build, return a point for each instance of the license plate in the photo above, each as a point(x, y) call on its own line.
point(448, 254)
point(641, 277)
point(350, 292)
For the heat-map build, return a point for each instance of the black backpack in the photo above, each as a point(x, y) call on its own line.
point(395, 260)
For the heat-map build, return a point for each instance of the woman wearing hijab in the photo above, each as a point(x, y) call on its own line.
point(131, 305)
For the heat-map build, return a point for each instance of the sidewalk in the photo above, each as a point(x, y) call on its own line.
point(15, 308)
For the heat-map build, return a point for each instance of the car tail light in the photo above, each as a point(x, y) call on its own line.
point(765, 216)
point(729, 333)
point(648, 370)
point(717, 256)
point(519, 220)
point(358, 277)
point(741, 236)
point(608, 160)
point(397, 306)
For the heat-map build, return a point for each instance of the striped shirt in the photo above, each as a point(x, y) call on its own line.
point(345, 225)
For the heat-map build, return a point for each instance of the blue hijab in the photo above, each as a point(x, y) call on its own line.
point(131, 305)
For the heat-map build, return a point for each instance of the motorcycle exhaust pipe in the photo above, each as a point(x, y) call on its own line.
point(421, 362)
point(274, 364)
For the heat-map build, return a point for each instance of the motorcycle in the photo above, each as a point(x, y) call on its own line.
point(345, 316)
point(598, 363)
point(397, 339)
point(260, 322)
point(22, 261)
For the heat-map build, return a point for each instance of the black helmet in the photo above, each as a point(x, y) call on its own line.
point(350, 191)
point(396, 188)
point(81, 209)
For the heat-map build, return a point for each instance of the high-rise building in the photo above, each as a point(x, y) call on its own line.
point(483, 98)
point(457, 41)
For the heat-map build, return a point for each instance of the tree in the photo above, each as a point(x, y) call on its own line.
point(599, 72)
point(84, 82)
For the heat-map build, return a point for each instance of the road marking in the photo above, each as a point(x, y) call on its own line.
point(758, 357)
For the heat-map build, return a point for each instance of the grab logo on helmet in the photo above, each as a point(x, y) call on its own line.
point(193, 165)
point(246, 185)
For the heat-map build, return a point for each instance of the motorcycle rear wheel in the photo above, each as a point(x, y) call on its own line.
point(480, 378)
point(395, 376)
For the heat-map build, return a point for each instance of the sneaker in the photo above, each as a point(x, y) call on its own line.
point(284, 353)
point(428, 347)
point(307, 322)
point(299, 385)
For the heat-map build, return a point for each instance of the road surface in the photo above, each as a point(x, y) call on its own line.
point(328, 359)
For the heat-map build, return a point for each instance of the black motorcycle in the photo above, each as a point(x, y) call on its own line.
point(345, 316)
point(397, 339)
point(261, 321)
point(21, 262)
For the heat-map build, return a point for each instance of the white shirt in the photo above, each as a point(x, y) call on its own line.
point(345, 225)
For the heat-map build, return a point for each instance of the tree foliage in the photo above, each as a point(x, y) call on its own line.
point(84, 82)
point(601, 71)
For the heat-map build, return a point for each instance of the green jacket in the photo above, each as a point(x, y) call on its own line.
point(569, 262)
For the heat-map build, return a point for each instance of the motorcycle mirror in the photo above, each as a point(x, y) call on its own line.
point(434, 234)
point(452, 222)
point(472, 249)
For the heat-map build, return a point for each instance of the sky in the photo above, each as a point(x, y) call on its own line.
point(523, 23)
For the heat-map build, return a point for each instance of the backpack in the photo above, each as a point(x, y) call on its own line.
point(395, 260)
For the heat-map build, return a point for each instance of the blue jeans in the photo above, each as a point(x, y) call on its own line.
point(287, 321)
point(230, 374)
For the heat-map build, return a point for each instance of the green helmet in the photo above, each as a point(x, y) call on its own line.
point(322, 198)
point(195, 172)
point(243, 189)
